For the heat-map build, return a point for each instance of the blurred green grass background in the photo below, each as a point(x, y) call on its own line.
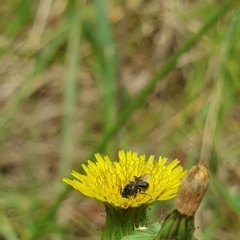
point(79, 77)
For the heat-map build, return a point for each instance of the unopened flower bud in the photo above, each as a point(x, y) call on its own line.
point(192, 189)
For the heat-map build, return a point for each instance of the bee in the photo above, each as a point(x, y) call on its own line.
point(139, 185)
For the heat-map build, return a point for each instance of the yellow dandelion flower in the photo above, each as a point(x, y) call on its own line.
point(130, 182)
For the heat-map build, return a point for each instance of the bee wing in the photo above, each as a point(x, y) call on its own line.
point(146, 177)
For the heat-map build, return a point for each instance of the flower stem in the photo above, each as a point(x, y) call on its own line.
point(121, 222)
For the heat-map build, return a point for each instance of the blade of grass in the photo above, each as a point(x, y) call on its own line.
point(22, 14)
point(73, 63)
point(6, 229)
point(223, 9)
point(108, 76)
point(223, 93)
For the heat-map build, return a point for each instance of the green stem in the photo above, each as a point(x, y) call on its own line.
point(121, 222)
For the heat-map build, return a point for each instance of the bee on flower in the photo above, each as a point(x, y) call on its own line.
point(130, 181)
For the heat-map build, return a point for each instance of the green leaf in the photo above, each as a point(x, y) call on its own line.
point(142, 233)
